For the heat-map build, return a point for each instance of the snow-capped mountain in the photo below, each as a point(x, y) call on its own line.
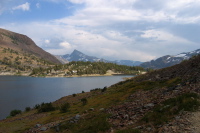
point(79, 56)
point(169, 60)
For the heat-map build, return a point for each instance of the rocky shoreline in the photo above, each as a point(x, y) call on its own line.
point(50, 76)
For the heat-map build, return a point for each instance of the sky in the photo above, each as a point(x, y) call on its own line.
point(139, 30)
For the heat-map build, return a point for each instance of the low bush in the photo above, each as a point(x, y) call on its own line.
point(84, 101)
point(15, 112)
point(27, 109)
point(37, 106)
point(64, 108)
point(46, 107)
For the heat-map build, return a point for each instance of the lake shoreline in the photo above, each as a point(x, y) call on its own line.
point(29, 91)
point(61, 76)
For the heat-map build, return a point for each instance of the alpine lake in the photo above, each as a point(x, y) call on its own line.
point(18, 92)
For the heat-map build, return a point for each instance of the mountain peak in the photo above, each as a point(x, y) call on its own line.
point(76, 52)
point(79, 56)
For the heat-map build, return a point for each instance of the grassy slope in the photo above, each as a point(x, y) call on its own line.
point(19, 62)
point(157, 90)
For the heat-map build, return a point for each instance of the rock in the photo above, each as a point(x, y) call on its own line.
point(77, 117)
point(101, 109)
point(57, 128)
point(149, 129)
point(149, 105)
point(43, 129)
point(37, 125)
point(91, 109)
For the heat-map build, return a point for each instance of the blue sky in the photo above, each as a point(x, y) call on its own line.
point(137, 30)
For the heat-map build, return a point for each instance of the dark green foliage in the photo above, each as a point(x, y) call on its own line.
point(15, 112)
point(73, 95)
point(90, 68)
point(104, 89)
point(164, 112)
point(37, 70)
point(46, 107)
point(84, 101)
point(64, 107)
point(96, 89)
point(37, 106)
point(129, 131)
point(93, 123)
point(83, 91)
point(27, 109)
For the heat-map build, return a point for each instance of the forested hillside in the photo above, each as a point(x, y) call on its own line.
point(13, 62)
point(86, 68)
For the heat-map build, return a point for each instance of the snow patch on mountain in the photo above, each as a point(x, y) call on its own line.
point(169, 60)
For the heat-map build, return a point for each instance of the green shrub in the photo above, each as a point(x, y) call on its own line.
point(46, 107)
point(27, 109)
point(84, 101)
point(15, 112)
point(64, 108)
point(104, 89)
point(37, 106)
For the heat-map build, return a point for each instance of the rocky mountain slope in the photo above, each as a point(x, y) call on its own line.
point(161, 101)
point(23, 44)
point(169, 60)
point(79, 56)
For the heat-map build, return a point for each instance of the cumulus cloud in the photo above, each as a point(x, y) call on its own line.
point(66, 45)
point(119, 29)
point(47, 41)
point(24, 7)
point(159, 35)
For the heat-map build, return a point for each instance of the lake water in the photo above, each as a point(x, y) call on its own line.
point(21, 92)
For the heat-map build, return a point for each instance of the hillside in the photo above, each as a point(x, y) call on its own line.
point(16, 63)
point(24, 44)
point(160, 101)
point(81, 68)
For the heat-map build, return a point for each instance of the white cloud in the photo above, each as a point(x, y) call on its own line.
point(159, 35)
point(115, 29)
point(38, 5)
point(24, 7)
point(47, 41)
point(62, 48)
point(66, 45)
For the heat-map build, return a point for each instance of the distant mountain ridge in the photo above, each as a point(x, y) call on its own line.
point(169, 60)
point(79, 56)
point(24, 44)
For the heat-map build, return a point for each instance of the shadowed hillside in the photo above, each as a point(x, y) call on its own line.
point(23, 44)
point(165, 100)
